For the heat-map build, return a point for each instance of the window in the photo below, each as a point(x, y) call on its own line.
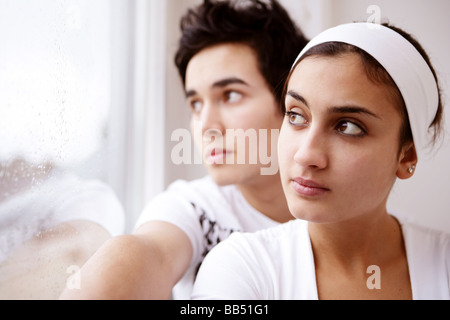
point(60, 158)
point(83, 130)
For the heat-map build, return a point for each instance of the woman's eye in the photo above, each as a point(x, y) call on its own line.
point(350, 129)
point(296, 119)
point(233, 97)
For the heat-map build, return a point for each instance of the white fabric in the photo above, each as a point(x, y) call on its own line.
point(60, 198)
point(404, 64)
point(278, 264)
point(207, 214)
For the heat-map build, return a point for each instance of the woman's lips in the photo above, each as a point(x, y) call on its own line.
point(308, 188)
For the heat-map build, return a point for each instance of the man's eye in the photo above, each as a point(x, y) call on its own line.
point(196, 105)
point(350, 129)
point(296, 119)
point(233, 97)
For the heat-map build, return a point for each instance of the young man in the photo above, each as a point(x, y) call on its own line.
point(233, 59)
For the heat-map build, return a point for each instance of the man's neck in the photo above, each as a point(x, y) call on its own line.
point(266, 195)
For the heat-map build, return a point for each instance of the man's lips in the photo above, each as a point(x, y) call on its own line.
point(216, 155)
point(215, 152)
point(308, 188)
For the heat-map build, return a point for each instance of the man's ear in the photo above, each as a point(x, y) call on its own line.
point(407, 161)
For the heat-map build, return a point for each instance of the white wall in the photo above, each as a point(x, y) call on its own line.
point(177, 111)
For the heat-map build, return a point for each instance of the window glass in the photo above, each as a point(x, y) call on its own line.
point(55, 89)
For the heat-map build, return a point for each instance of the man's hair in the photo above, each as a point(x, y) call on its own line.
point(265, 26)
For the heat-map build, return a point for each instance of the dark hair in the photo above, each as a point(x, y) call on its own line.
point(265, 26)
point(377, 74)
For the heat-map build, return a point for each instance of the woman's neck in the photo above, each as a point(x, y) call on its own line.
point(355, 257)
point(372, 239)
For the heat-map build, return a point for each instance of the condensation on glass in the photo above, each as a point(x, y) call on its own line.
point(55, 208)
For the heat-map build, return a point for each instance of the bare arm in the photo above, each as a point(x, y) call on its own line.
point(145, 265)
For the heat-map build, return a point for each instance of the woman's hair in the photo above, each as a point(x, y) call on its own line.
point(265, 26)
point(377, 74)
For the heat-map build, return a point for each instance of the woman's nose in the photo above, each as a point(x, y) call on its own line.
point(312, 149)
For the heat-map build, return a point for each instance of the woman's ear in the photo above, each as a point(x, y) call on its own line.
point(407, 161)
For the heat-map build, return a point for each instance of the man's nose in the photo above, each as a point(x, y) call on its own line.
point(211, 121)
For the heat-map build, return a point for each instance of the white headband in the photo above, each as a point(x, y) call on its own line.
point(405, 65)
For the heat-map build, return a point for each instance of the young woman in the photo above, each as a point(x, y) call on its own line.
point(362, 105)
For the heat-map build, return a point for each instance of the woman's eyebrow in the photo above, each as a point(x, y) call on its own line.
point(297, 97)
point(335, 109)
point(220, 84)
point(352, 109)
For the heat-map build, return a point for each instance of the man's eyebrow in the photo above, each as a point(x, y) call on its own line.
point(190, 93)
point(227, 81)
point(219, 84)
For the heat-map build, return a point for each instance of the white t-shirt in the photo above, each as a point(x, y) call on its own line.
point(208, 214)
point(278, 264)
point(60, 198)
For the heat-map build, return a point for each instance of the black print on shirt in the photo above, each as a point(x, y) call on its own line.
point(213, 233)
